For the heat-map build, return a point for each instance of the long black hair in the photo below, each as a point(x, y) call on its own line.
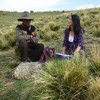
point(76, 23)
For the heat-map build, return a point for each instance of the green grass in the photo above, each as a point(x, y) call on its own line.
point(1, 85)
point(58, 80)
point(49, 25)
point(95, 60)
point(94, 89)
point(73, 79)
point(63, 80)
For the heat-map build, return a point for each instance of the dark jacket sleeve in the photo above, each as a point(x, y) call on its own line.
point(80, 38)
point(65, 38)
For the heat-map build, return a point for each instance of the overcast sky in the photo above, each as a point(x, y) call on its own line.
point(47, 5)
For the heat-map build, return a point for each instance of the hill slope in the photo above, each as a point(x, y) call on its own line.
point(50, 26)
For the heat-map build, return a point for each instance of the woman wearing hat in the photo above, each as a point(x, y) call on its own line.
point(27, 39)
point(73, 39)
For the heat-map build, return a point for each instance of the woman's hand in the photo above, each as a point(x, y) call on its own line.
point(78, 49)
point(77, 52)
point(63, 50)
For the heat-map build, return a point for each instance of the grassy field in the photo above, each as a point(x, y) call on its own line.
point(74, 79)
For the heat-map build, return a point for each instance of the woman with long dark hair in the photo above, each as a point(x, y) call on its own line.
point(73, 39)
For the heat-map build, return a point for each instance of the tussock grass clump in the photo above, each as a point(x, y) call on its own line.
point(38, 24)
point(96, 31)
point(3, 43)
point(63, 80)
point(54, 26)
point(1, 85)
point(11, 38)
point(7, 40)
point(49, 31)
point(94, 89)
point(50, 35)
point(95, 59)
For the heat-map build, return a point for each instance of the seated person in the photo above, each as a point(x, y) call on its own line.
point(27, 38)
point(73, 39)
